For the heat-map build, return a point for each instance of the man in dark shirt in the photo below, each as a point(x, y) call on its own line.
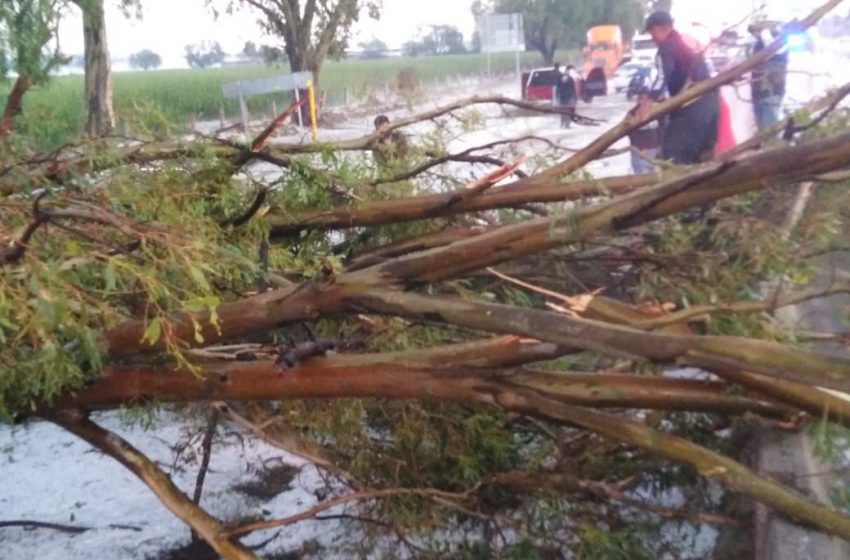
point(391, 147)
point(567, 93)
point(691, 131)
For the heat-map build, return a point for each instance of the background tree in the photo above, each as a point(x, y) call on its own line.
point(273, 55)
point(145, 59)
point(100, 118)
point(26, 29)
point(374, 48)
point(665, 5)
point(204, 54)
point(312, 31)
point(250, 51)
point(436, 40)
point(554, 24)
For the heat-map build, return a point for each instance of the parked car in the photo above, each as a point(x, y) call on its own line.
point(539, 85)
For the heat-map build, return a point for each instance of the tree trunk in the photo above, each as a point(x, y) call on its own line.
point(548, 52)
point(101, 117)
point(13, 103)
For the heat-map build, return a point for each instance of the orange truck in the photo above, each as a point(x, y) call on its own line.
point(604, 49)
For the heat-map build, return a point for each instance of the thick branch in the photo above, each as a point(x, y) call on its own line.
point(206, 526)
point(709, 464)
point(703, 185)
point(438, 205)
point(774, 360)
point(453, 372)
point(320, 379)
point(14, 103)
point(368, 141)
point(710, 183)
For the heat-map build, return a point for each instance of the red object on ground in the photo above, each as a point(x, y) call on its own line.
point(726, 139)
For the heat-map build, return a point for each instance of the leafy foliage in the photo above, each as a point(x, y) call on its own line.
point(318, 31)
point(26, 29)
point(436, 40)
point(145, 59)
point(204, 54)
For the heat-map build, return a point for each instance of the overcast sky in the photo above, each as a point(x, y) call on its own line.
point(168, 25)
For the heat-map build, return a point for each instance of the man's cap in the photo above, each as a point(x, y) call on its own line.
point(658, 19)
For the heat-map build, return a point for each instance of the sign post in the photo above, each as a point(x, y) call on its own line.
point(312, 92)
point(243, 89)
point(501, 33)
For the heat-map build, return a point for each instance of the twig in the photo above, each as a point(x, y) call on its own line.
point(15, 252)
point(206, 447)
point(363, 495)
point(259, 200)
point(299, 447)
point(741, 307)
point(73, 529)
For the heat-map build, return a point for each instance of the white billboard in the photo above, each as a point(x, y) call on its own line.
point(501, 33)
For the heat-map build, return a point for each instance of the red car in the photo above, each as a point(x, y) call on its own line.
point(539, 85)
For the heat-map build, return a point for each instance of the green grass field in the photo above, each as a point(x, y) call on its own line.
point(54, 112)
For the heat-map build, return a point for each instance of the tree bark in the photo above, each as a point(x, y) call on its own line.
point(526, 393)
point(451, 373)
point(440, 204)
point(101, 116)
point(14, 103)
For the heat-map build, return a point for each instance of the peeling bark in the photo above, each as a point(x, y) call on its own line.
point(98, 91)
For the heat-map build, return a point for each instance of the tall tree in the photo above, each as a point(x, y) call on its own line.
point(26, 30)
point(100, 115)
point(312, 30)
point(553, 24)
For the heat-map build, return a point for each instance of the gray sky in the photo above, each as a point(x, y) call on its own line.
point(169, 25)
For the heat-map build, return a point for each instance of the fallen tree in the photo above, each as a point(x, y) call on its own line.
point(143, 276)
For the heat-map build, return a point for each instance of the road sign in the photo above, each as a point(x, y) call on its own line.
point(244, 89)
point(272, 84)
point(501, 33)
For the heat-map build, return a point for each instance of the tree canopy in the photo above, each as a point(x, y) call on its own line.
point(204, 54)
point(550, 25)
point(312, 31)
point(436, 40)
point(145, 59)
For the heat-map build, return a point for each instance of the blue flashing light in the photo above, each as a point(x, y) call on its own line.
point(797, 42)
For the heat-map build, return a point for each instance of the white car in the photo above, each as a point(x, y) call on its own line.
point(620, 79)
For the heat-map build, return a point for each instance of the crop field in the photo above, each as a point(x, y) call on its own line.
point(54, 113)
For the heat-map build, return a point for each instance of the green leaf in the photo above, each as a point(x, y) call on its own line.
point(153, 331)
point(109, 276)
point(199, 278)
